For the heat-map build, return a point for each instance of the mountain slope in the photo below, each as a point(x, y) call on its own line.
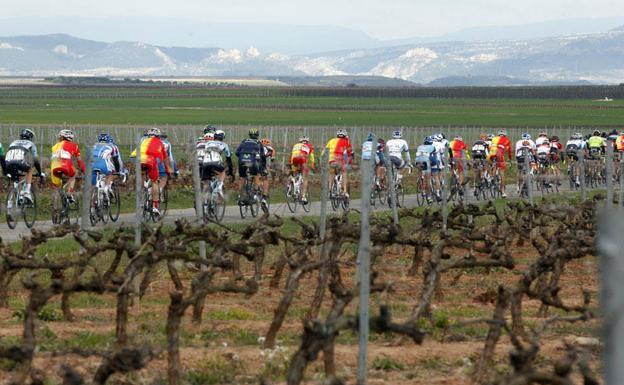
point(593, 57)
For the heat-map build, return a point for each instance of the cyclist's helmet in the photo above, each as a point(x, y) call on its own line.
point(604, 134)
point(490, 136)
point(27, 134)
point(543, 134)
point(106, 138)
point(438, 137)
point(555, 138)
point(66, 134)
point(546, 141)
point(154, 132)
point(209, 136)
point(219, 135)
point(577, 135)
point(526, 136)
point(502, 133)
point(342, 133)
point(596, 133)
point(304, 139)
point(397, 134)
point(483, 137)
point(254, 133)
point(266, 142)
point(458, 137)
point(428, 140)
point(210, 128)
point(442, 136)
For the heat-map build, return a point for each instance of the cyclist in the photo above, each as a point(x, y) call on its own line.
point(162, 172)
point(2, 162)
point(527, 146)
point(556, 149)
point(106, 158)
point(425, 159)
point(302, 160)
point(20, 158)
point(480, 153)
point(380, 163)
point(596, 145)
point(62, 161)
point(541, 138)
point(211, 162)
point(439, 163)
point(573, 145)
point(397, 146)
point(340, 154)
point(251, 156)
point(210, 128)
point(266, 172)
point(154, 158)
point(499, 147)
point(456, 146)
point(544, 160)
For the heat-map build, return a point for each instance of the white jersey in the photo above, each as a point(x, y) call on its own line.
point(522, 144)
point(543, 149)
point(573, 145)
point(396, 148)
point(540, 140)
point(441, 151)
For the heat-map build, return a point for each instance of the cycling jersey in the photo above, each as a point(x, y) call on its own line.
point(154, 157)
point(397, 147)
point(596, 142)
point(20, 157)
point(304, 152)
point(106, 159)
point(543, 152)
point(540, 140)
point(502, 142)
point(441, 150)
point(573, 145)
point(522, 144)
point(172, 163)
point(619, 143)
point(212, 152)
point(479, 150)
point(340, 150)
point(62, 161)
point(427, 158)
point(457, 146)
point(251, 155)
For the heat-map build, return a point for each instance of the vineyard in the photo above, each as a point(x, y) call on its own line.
point(507, 295)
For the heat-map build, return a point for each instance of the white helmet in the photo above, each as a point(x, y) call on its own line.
point(209, 135)
point(397, 134)
point(66, 134)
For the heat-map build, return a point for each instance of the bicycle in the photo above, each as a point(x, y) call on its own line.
point(399, 191)
point(481, 181)
point(496, 183)
point(378, 192)
point(294, 195)
point(572, 173)
point(251, 204)
point(104, 203)
point(148, 212)
point(423, 189)
point(69, 205)
point(545, 176)
point(17, 205)
point(213, 201)
point(456, 190)
point(336, 196)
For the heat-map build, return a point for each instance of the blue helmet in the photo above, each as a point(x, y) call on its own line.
point(105, 138)
point(428, 140)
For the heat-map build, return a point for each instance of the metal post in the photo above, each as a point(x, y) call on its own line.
point(139, 194)
point(199, 212)
point(581, 159)
point(611, 249)
point(621, 201)
point(392, 196)
point(445, 193)
point(609, 172)
point(527, 174)
point(324, 193)
point(364, 264)
point(86, 191)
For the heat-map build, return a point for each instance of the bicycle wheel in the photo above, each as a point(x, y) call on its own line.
point(12, 211)
point(163, 202)
point(344, 202)
point(114, 207)
point(291, 197)
point(147, 206)
point(244, 210)
point(73, 210)
point(306, 206)
point(400, 193)
point(29, 210)
point(254, 204)
point(94, 208)
point(218, 207)
point(334, 197)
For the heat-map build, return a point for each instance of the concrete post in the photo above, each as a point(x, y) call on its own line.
point(139, 194)
point(581, 159)
point(86, 190)
point(324, 193)
point(392, 196)
point(609, 172)
point(199, 204)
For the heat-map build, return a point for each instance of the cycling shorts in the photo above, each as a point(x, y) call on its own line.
point(300, 163)
point(338, 165)
point(253, 168)
point(17, 168)
point(422, 163)
point(207, 171)
point(498, 159)
point(380, 160)
point(57, 173)
point(102, 166)
point(398, 162)
point(152, 166)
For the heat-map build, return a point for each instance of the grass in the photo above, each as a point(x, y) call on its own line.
point(161, 107)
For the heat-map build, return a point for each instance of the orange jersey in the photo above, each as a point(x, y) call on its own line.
point(152, 148)
point(503, 143)
point(302, 150)
point(338, 148)
point(457, 146)
point(619, 143)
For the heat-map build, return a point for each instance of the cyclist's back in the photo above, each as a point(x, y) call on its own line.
point(153, 154)
point(480, 150)
point(20, 157)
point(340, 150)
point(426, 157)
point(212, 158)
point(251, 155)
point(64, 153)
point(397, 146)
point(106, 159)
point(596, 145)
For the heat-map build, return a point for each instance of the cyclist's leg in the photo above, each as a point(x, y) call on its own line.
point(305, 173)
point(345, 179)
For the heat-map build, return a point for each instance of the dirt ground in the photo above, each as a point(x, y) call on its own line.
point(226, 348)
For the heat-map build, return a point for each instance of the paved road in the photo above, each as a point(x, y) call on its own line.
point(232, 214)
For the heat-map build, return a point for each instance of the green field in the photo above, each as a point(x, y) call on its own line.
point(120, 106)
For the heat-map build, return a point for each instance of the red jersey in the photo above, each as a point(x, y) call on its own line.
point(456, 148)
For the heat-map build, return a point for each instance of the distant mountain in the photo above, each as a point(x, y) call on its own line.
point(495, 81)
point(596, 58)
point(617, 29)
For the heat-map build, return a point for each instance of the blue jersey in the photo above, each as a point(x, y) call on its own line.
point(106, 159)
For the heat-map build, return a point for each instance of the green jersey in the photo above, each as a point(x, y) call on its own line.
point(596, 142)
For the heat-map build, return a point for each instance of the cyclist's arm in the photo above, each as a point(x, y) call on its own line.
point(165, 158)
point(36, 159)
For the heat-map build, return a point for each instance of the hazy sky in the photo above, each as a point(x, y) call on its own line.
point(384, 19)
